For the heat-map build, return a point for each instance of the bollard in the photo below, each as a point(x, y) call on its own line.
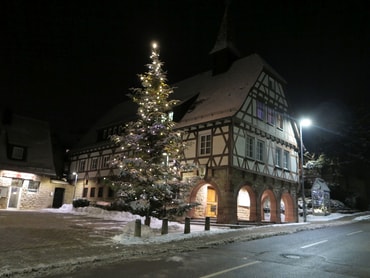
point(187, 225)
point(164, 226)
point(207, 224)
point(137, 228)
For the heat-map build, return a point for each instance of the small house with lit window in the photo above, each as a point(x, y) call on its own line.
point(27, 172)
point(237, 129)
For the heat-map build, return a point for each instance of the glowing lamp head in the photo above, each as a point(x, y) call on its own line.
point(154, 45)
point(305, 122)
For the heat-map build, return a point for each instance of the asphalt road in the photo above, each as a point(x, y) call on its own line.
point(339, 251)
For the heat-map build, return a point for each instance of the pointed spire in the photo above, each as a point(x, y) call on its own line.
point(224, 53)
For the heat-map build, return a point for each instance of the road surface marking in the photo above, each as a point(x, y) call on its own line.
point(353, 233)
point(312, 244)
point(230, 269)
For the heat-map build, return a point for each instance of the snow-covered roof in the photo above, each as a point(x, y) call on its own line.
point(34, 136)
point(209, 97)
point(221, 96)
point(320, 184)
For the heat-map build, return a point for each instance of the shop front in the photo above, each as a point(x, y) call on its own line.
point(20, 190)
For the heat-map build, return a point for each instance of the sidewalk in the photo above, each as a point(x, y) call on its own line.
point(41, 244)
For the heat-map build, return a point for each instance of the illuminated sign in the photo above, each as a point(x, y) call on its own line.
point(18, 175)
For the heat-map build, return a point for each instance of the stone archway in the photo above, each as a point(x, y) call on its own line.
point(288, 206)
point(268, 206)
point(206, 195)
point(246, 204)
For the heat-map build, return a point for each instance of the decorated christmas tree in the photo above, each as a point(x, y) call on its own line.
point(149, 183)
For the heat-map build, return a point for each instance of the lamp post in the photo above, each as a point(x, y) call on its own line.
point(303, 122)
point(74, 192)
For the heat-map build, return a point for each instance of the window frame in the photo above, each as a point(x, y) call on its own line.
point(286, 159)
point(270, 115)
point(278, 157)
point(205, 144)
point(94, 163)
point(33, 186)
point(81, 165)
point(260, 150)
point(279, 120)
point(17, 152)
point(92, 192)
point(249, 146)
point(105, 162)
point(260, 110)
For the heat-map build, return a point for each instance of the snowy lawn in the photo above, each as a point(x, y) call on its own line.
point(152, 234)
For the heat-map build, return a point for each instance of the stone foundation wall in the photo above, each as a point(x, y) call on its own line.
point(229, 181)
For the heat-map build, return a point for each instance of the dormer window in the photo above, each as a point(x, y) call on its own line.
point(17, 152)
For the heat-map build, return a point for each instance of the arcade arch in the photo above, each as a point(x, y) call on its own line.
point(246, 204)
point(268, 206)
point(287, 208)
point(206, 195)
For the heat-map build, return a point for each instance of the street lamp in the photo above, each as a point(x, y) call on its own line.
point(74, 192)
point(303, 122)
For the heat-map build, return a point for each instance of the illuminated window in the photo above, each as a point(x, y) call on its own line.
point(205, 144)
point(17, 182)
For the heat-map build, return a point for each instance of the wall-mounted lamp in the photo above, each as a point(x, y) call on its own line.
point(202, 170)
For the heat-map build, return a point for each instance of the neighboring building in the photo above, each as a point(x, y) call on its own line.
point(238, 131)
point(27, 172)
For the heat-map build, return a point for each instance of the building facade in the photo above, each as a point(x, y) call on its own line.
point(27, 173)
point(237, 130)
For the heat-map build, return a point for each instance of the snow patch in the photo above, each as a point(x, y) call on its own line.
point(153, 234)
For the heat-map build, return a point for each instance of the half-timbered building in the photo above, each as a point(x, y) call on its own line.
point(237, 131)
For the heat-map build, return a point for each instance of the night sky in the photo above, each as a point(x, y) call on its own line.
point(69, 62)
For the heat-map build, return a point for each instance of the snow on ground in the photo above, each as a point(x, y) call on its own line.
point(175, 229)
